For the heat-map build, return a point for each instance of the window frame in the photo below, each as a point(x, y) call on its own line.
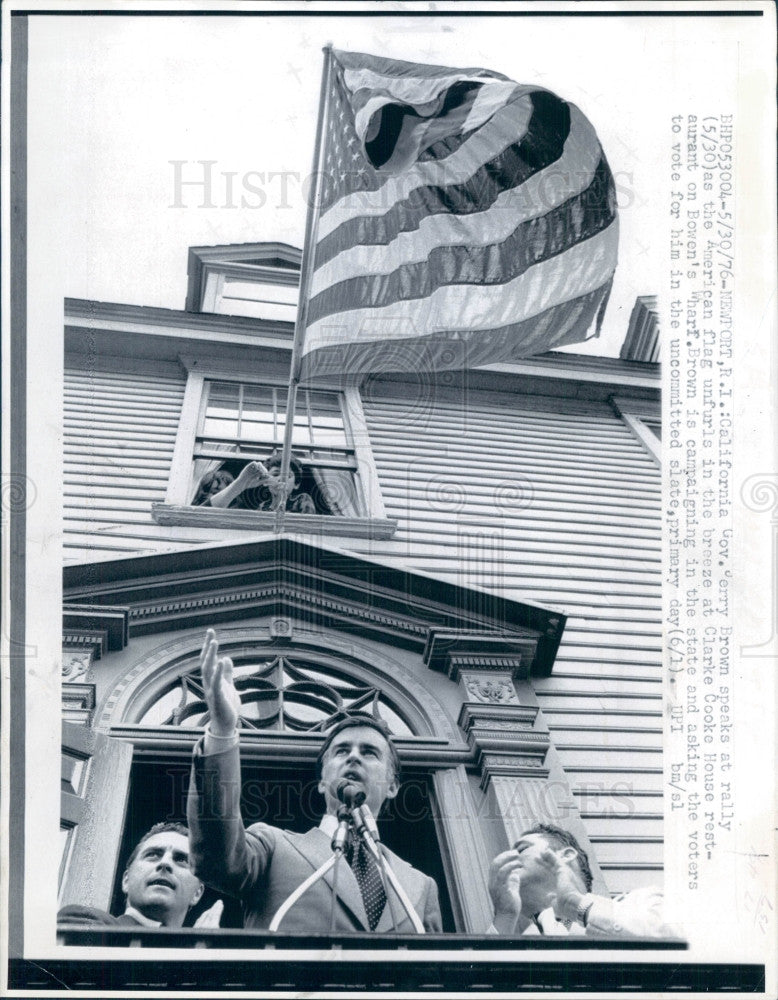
point(436, 748)
point(177, 511)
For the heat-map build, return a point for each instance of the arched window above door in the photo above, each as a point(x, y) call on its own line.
point(278, 693)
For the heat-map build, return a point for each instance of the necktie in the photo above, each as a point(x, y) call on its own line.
point(368, 877)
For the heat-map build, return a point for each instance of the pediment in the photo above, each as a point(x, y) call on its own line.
point(326, 587)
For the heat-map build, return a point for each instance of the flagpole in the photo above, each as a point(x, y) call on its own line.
point(306, 271)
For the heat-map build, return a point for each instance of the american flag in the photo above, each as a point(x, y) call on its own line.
point(463, 219)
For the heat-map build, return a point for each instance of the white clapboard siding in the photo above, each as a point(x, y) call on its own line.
point(552, 502)
point(120, 430)
point(564, 509)
point(602, 824)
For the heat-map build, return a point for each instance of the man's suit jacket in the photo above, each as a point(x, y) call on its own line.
point(76, 914)
point(262, 865)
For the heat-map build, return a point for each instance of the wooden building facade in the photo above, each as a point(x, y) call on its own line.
point(483, 570)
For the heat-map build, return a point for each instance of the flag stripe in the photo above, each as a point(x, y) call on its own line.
point(564, 323)
point(394, 68)
point(538, 148)
point(566, 178)
point(489, 98)
point(446, 147)
point(369, 92)
point(506, 127)
point(417, 133)
point(532, 242)
point(579, 270)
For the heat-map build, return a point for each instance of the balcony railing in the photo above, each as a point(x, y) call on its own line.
point(87, 935)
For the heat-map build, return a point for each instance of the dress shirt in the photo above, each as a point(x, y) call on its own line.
point(130, 911)
point(633, 914)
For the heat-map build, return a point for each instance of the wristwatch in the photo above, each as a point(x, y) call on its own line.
point(585, 904)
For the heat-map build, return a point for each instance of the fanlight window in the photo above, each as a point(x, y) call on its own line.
point(277, 694)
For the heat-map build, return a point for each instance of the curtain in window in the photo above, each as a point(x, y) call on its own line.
point(202, 466)
point(338, 490)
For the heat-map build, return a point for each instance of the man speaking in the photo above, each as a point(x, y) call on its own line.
point(294, 882)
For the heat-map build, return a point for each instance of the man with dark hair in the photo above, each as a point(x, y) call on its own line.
point(264, 865)
point(543, 885)
point(158, 883)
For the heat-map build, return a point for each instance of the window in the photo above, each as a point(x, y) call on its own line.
point(247, 422)
point(283, 694)
point(228, 422)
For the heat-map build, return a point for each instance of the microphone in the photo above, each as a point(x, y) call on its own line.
point(341, 834)
point(370, 824)
point(349, 794)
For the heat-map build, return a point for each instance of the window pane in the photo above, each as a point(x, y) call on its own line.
point(224, 394)
point(221, 411)
point(159, 713)
point(257, 400)
point(329, 438)
point(324, 402)
point(220, 428)
point(300, 432)
point(257, 430)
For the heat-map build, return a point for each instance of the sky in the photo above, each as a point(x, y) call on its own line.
point(151, 135)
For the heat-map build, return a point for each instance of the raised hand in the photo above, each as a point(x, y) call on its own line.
point(221, 695)
point(253, 474)
point(505, 890)
point(565, 895)
point(212, 916)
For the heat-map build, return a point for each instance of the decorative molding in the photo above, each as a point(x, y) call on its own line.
point(78, 703)
point(90, 641)
point(466, 661)
point(326, 586)
point(85, 622)
point(510, 765)
point(454, 650)
point(263, 520)
point(488, 739)
point(262, 595)
point(281, 628)
point(76, 664)
point(504, 738)
point(492, 688)
point(366, 663)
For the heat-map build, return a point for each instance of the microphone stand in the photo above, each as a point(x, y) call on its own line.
point(338, 849)
point(366, 827)
point(338, 844)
